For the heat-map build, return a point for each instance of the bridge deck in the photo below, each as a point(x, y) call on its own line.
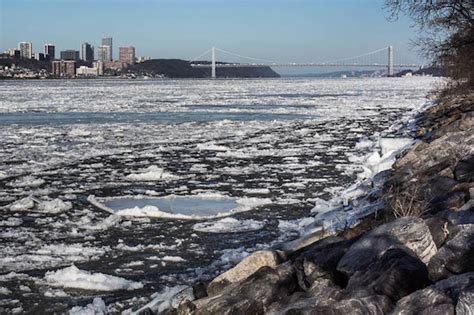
point(247, 65)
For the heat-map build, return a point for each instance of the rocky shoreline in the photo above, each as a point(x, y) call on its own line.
point(415, 255)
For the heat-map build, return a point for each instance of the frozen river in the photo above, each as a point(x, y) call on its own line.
point(144, 185)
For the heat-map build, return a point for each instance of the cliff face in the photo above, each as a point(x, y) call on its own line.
point(176, 68)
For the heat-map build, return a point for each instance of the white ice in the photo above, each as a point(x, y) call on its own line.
point(73, 277)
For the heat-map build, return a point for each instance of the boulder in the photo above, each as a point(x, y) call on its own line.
point(439, 298)
point(460, 217)
point(369, 305)
point(439, 229)
point(396, 274)
point(455, 257)
point(436, 301)
point(464, 170)
point(250, 296)
point(381, 178)
point(323, 293)
point(320, 262)
point(455, 285)
point(408, 231)
point(465, 305)
point(249, 265)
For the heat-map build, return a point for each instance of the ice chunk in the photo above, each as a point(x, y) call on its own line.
point(4, 291)
point(200, 206)
point(73, 277)
point(54, 206)
point(45, 206)
point(97, 307)
point(161, 300)
point(11, 222)
point(321, 205)
point(394, 144)
point(151, 173)
point(27, 181)
point(22, 204)
point(228, 225)
point(173, 258)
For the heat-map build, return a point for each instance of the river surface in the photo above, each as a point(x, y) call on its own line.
point(167, 182)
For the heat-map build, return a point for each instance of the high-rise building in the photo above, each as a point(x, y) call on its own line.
point(26, 49)
point(107, 41)
point(70, 55)
point(38, 56)
point(15, 53)
point(99, 65)
point(87, 52)
point(64, 69)
point(103, 53)
point(49, 52)
point(127, 55)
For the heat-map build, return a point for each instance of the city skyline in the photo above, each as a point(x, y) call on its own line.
point(164, 29)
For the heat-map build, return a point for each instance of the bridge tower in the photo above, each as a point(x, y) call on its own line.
point(390, 61)
point(213, 63)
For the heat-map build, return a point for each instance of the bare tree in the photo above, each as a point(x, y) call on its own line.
point(447, 33)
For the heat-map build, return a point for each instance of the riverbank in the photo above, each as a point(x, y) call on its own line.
point(415, 254)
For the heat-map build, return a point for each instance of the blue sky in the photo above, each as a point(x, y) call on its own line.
point(280, 30)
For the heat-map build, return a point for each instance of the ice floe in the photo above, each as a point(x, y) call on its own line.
point(73, 277)
point(193, 207)
point(151, 173)
point(228, 225)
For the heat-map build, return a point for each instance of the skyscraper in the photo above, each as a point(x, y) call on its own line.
point(87, 52)
point(127, 55)
point(70, 54)
point(49, 52)
point(26, 49)
point(103, 53)
point(107, 41)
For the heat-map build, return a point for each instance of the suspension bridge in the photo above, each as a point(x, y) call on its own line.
point(380, 58)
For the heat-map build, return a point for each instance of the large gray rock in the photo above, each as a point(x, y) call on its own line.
point(465, 215)
point(322, 293)
point(437, 299)
point(249, 265)
point(369, 305)
point(439, 229)
point(320, 261)
point(396, 274)
point(464, 170)
point(250, 296)
point(465, 304)
point(410, 232)
point(455, 257)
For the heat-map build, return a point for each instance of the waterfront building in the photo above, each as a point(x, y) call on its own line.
point(26, 49)
point(12, 52)
point(99, 65)
point(49, 52)
point(64, 68)
point(86, 52)
point(107, 41)
point(84, 71)
point(103, 53)
point(127, 55)
point(38, 56)
point(144, 58)
point(70, 55)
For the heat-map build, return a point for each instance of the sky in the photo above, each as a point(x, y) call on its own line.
point(276, 30)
